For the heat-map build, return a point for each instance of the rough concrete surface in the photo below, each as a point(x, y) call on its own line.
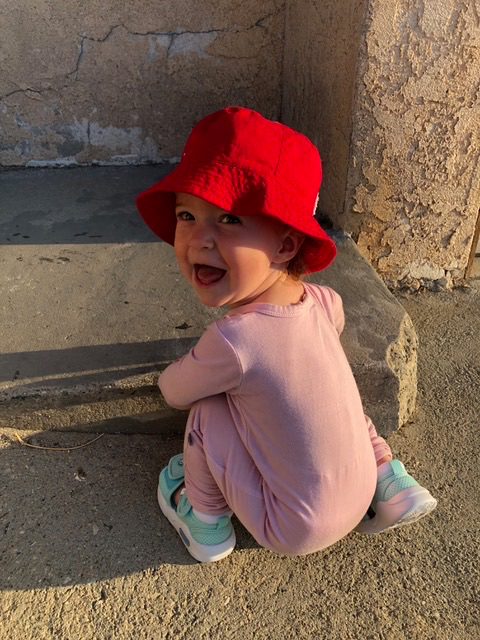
point(87, 555)
point(123, 83)
point(414, 181)
point(93, 306)
point(398, 127)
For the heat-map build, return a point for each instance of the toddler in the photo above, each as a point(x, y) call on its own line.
point(276, 432)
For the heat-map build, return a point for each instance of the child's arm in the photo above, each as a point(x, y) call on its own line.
point(333, 305)
point(210, 368)
point(337, 311)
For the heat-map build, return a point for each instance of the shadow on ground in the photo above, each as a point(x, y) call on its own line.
point(91, 363)
point(72, 517)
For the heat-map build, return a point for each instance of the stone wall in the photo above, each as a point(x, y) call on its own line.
point(391, 93)
point(413, 193)
point(112, 82)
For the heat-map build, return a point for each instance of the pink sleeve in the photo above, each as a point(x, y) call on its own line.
point(210, 368)
point(332, 303)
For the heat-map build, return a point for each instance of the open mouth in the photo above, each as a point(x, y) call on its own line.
point(207, 275)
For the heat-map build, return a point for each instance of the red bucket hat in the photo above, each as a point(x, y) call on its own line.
point(245, 164)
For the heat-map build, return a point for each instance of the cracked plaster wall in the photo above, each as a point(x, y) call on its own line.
point(122, 83)
point(390, 92)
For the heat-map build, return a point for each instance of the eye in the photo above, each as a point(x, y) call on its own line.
point(229, 219)
point(184, 215)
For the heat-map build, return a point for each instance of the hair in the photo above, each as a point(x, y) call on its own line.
point(296, 266)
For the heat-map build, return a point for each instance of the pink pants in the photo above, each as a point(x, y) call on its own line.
point(220, 474)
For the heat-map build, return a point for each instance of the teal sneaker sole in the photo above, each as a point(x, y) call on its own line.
point(201, 552)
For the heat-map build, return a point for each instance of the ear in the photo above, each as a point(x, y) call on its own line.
point(289, 246)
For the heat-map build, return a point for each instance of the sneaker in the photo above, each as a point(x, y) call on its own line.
point(398, 500)
point(205, 542)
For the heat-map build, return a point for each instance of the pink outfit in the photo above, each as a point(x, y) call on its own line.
point(276, 430)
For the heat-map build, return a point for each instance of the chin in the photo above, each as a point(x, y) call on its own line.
point(207, 301)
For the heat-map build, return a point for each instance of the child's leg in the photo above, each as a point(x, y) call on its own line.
point(206, 540)
point(201, 488)
point(398, 499)
point(220, 473)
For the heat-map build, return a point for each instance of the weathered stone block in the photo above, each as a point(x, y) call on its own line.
point(379, 338)
point(112, 309)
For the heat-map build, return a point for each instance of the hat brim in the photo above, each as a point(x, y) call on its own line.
point(240, 192)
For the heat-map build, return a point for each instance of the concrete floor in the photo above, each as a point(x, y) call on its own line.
point(87, 555)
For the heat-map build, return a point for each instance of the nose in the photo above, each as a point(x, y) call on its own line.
point(202, 236)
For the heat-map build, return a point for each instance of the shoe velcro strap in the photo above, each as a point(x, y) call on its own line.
point(175, 467)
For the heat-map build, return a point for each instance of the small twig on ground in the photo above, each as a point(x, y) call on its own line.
point(34, 446)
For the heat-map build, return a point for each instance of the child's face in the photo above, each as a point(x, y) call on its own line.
point(228, 260)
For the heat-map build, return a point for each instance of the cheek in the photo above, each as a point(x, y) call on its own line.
point(179, 244)
point(181, 255)
point(249, 263)
point(178, 253)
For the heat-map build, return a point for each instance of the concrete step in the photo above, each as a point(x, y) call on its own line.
point(94, 306)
